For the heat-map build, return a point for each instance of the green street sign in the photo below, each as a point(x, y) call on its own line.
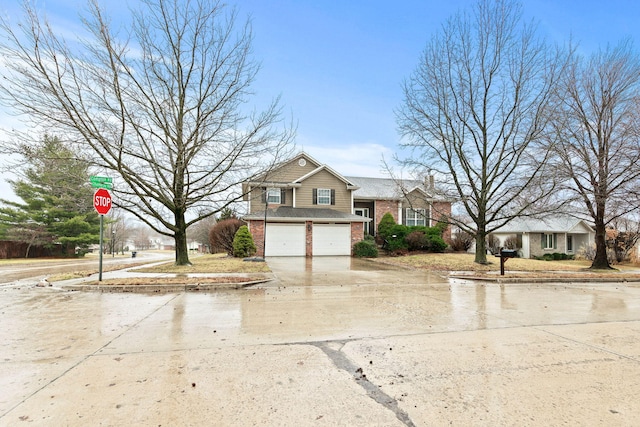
point(101, 182)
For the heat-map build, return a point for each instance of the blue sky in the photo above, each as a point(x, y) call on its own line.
point(338, 64)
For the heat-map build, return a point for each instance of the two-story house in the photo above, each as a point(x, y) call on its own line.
point(310, 209)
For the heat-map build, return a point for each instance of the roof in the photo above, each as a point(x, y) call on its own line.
point(561, 223)
point(384, 188)
point(289, 214)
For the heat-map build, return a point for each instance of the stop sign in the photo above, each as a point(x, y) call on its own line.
point(102, 201)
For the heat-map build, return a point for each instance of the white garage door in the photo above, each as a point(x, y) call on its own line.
point(285, 240)
point(331, 239)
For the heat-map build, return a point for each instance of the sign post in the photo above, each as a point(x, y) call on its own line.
point(102, 204)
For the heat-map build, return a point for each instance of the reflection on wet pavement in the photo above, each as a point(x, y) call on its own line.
point(490, 354)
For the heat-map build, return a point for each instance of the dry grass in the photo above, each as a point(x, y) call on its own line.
point(465, 262)
point(217, 263)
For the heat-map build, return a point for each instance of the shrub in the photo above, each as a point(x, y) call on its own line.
point(436, 244)
point(513, 242)
point(461, 241)
point(442, 224)
point(395, 240)
point(417, 241)
point(243, 245)
point(385, 225)
point(493, 244)
point(222, 234)
point(365, 249)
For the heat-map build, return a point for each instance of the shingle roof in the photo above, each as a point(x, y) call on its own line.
point(301, 214)
point(383, 188)
point(560, 223)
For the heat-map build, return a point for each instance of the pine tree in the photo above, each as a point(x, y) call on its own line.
point(57, 200)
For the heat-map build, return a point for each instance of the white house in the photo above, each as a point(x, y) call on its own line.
point(559, 233)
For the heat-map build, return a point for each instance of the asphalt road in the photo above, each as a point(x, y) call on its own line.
point(333, 342)
point(12, 271)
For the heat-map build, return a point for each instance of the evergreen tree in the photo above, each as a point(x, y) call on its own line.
point(243, 245)
point(57, 199)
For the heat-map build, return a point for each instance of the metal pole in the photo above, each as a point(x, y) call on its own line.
point(100, 266)
point(264, 234)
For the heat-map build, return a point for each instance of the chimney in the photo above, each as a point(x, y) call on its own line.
point(429, 183)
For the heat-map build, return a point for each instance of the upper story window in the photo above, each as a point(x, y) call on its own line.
point(274, 196)
point(324, 196)
point(416, 217)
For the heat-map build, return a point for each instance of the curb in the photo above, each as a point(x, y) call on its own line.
point(161, 288)
point(547, 279)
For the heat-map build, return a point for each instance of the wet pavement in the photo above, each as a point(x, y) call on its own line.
point(332, 341)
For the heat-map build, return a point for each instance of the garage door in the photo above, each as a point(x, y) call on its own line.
point(331, 239)
point(285, 240)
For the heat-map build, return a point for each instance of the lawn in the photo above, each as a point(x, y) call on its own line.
point(212, 263)
point(463, 262)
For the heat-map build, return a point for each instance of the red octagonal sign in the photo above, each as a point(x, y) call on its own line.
point(102, 201)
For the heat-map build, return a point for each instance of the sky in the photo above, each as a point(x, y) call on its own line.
point(338, 65)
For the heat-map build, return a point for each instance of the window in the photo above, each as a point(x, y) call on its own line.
point(569, 243)
point(416, 217)
point(324, 196)
point(273, 196)
point(547, 242)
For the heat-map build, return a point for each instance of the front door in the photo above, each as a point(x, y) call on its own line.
point(365, 213)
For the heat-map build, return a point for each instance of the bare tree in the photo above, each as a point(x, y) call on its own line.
point(199, 232)
point(475, 110)
point(164, 108)
point(598, 137)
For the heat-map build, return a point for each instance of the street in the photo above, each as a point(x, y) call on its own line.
point(333, 341)
point(35, 269)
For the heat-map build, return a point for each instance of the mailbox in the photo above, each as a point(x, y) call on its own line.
point(505, 254)
point(508, 253)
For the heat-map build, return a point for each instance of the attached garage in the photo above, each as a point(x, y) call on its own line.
point(305, 231)
point(285, 240)
point(331, 239)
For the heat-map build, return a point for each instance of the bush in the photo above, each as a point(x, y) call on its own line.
point(493, 244)
point(436, 244)
point(395, 240)
point(365, 249)
point(513, 242)
point(222, 234)
point(417, 241)
point(461, 241)
point(402, 238)
point(556, 256)
point(385, 225)
point(243, 245)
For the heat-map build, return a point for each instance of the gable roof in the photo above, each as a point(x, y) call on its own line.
point(296, 182)
point(350, 185)
point(561, 223)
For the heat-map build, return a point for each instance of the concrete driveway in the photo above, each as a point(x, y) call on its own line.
point(332, 342)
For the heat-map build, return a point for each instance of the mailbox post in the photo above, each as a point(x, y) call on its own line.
point(505, 254)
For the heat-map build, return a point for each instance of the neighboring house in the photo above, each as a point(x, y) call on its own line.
point(560, 233)
point(313, 210)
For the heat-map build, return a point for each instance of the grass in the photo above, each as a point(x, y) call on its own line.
point(215, 263)
point(514, 267)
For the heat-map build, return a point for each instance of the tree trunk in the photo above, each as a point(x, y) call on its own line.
point(182, 250)
point(481, 247)
point(600, 261)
